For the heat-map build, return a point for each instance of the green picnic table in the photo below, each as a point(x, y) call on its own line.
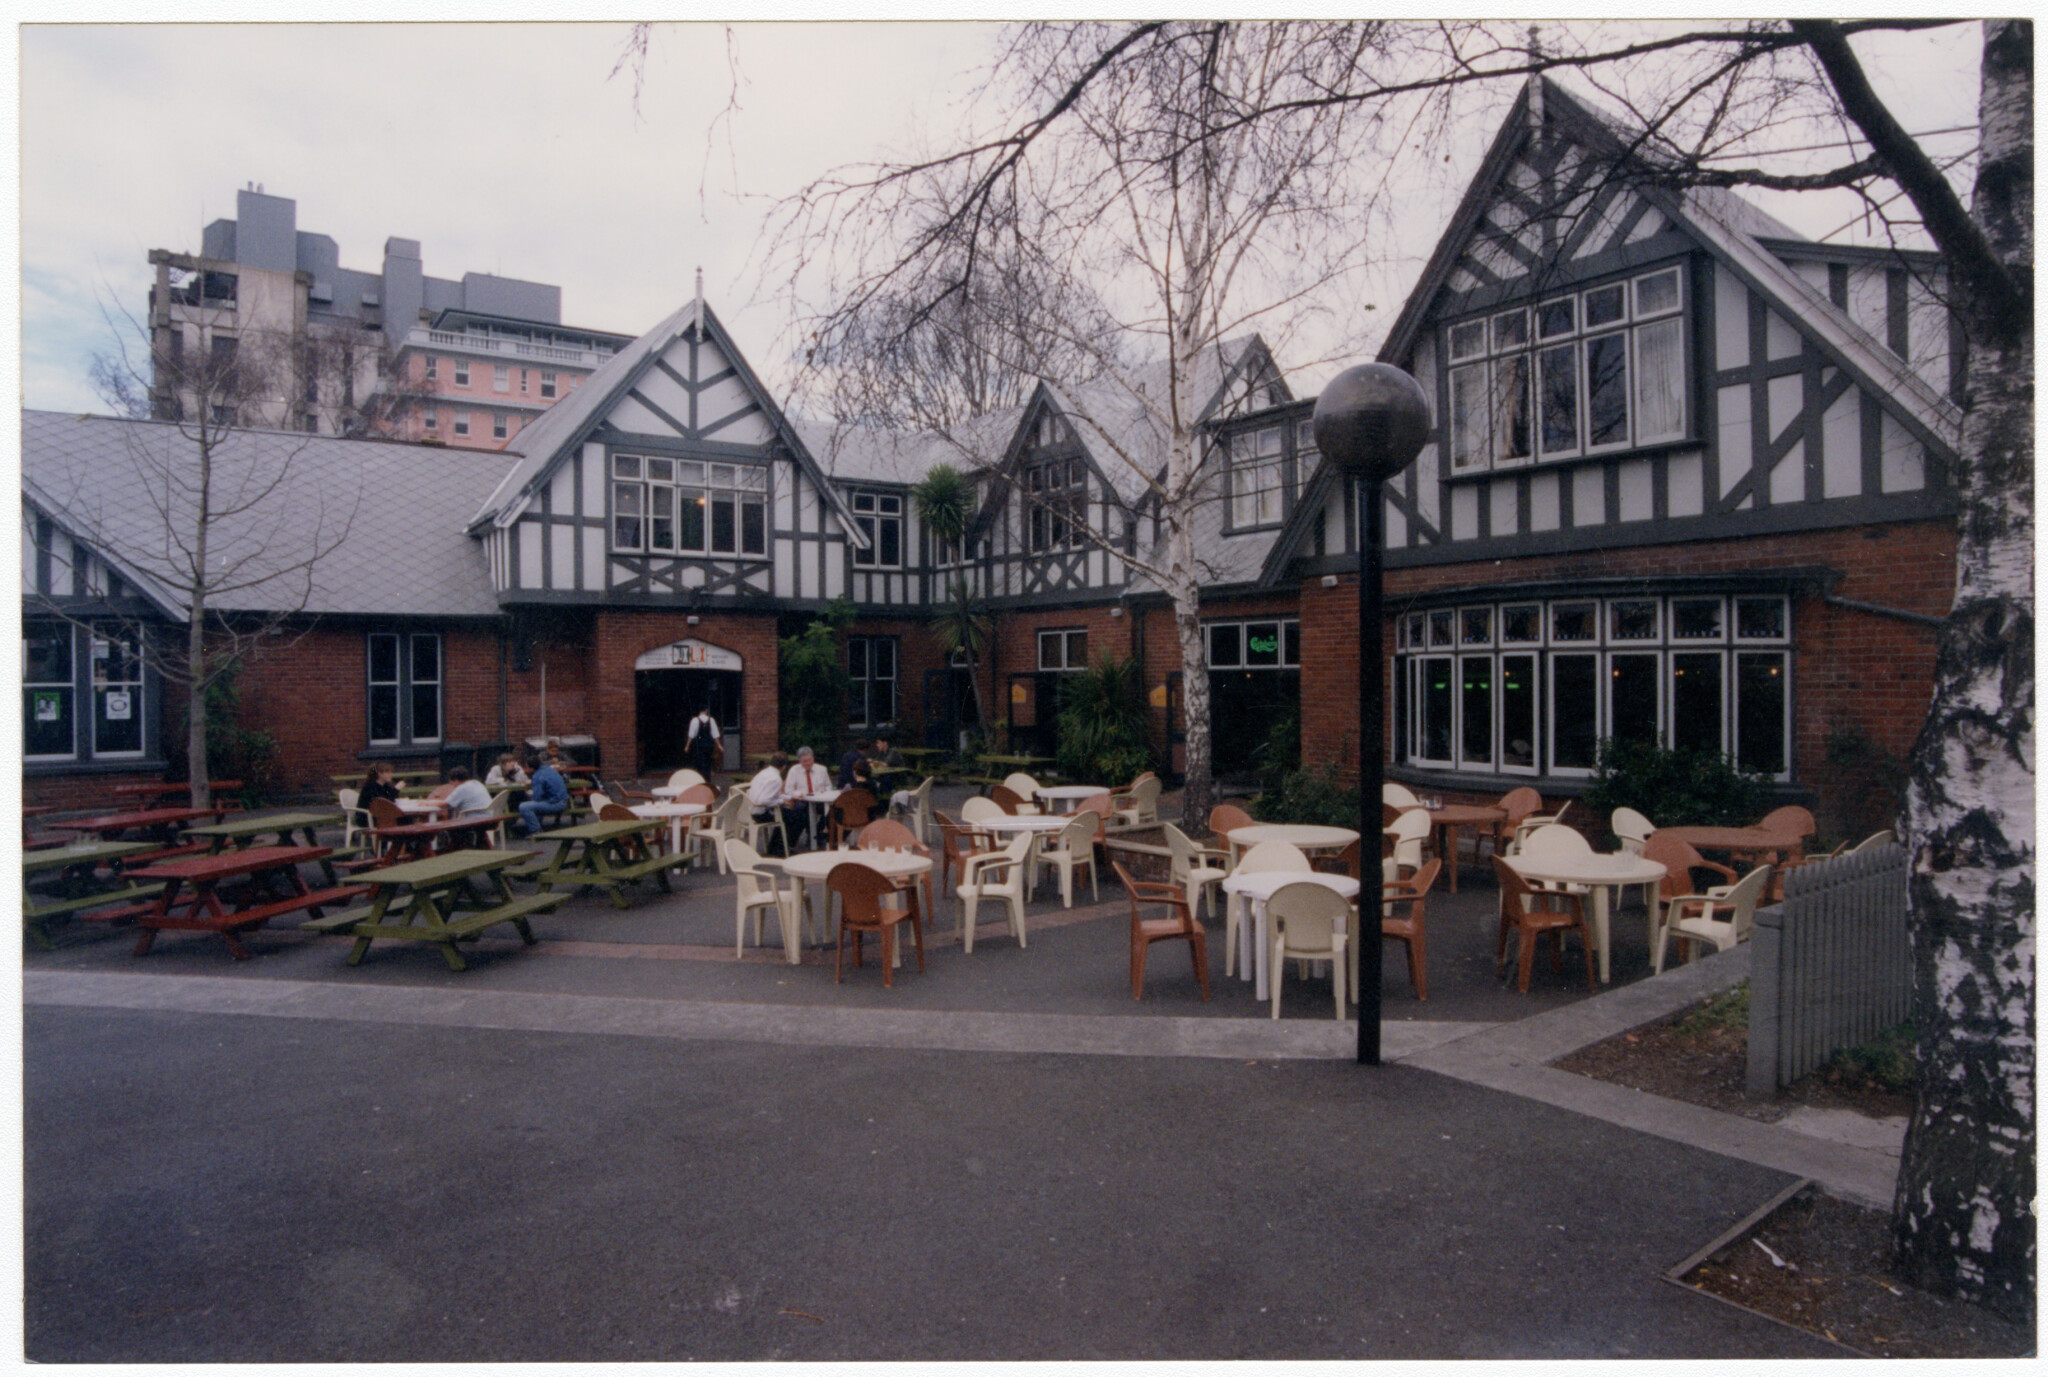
point(243, 832)
point(606, 855)
point(78, 890)
point(1010, 764)
point(439, 887)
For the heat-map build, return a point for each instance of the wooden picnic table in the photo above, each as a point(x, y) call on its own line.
point(245, 831)
point(161, 825)
point(79, 891)
point(606, 855)
point(414, 840)
point(275, 887)
point(438, 887)
point(173, 788)
point(36, 841)
point(349, 781)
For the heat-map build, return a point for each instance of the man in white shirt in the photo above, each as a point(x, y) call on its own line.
point(806, 778)
point(764, 790)
point(467, 797)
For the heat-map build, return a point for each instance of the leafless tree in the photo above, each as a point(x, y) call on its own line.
point(210, 515)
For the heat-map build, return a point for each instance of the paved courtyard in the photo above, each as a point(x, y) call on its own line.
point(624, 1143)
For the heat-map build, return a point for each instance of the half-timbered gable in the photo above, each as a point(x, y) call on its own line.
point(670, 476)
point(872, 470)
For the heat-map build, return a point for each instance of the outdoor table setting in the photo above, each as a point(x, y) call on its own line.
point(413, 840)
point(424, 808)
point(1446, 818)
point(159, 825)
point(1783, 846)
point(279, 826)
point(817, 803)
point(79, 888)
point(1601, 872)
point(605, 855)
point(1252, 891)
point(1306, 836)
point(436, 888)
point(163, 789)
point(192, 900)
point(812, 867)
point(677, 815)
point(1071, 795)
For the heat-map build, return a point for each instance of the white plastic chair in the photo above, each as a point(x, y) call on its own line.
point(1026, 788)
point(1883, 838)
point(1200, 870)
point(759, 889)
point(1139, 805)
point(1722, 920)
point(978, 881)
point(979, 809)
point(1399, 796)
point(1631, 829)
point(353, 818)
point(920, 810)
point(724, 823)
point(1555, 842)
point(1271, 855)
point(756, 831)
point(1067, 850)
point(1533, 822)
point(1306, 921)
point(1409, 830)
point(683, 779)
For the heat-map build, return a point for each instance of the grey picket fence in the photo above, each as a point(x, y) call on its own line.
point(1831, 967)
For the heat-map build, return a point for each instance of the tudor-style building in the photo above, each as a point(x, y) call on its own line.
point(1688, 481)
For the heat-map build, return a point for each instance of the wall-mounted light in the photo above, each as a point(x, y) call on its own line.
point(1116, 611)
point(1329, 580)
point(694, 619)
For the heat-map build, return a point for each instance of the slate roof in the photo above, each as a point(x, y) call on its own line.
point(397, 509)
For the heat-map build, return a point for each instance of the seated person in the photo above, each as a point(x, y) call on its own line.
point(378, 783)
point(550, 798)
point(508, 773)
point(854, 756)
point(885, 754)
point(468, 798)
point(764, 790)
point(806, 778)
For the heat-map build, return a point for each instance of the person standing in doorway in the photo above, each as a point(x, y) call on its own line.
point(703, 745)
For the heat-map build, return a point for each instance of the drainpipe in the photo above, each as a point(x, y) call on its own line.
point(1895, 613)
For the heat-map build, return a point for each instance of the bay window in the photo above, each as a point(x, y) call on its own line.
point(672, 506)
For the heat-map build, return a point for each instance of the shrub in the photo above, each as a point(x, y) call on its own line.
point(1676, 788)
point(1279, 755)
point(1102, 723)
point(814, 686)
point(1313, 797)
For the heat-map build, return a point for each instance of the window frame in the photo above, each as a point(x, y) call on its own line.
point(462, 372)
point(1066, 638)
point(880, 517)
point(867, 682)
point(405, 687)
point(725, 493)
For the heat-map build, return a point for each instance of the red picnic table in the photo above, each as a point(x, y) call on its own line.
point(415, 840)
point(192, 900)
point(160, 825)
point(173, 788)
point(40, 841)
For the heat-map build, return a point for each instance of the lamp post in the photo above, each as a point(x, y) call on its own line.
point(1371, 422)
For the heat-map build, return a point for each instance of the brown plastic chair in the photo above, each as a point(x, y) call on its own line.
point(1179, 925)
point(1223, 819)
point(1517, 804)
point(1408, 929)
point(849, 813)
point(384, 813)
point(861, 890)
point(1680, 860)
point(1532, 913)
point(633, 848)
point(887, 834)
point(957, 841)
point(1007, 799)
point(1345, 862)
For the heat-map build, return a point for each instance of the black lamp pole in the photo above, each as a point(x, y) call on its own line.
point(1371, 422)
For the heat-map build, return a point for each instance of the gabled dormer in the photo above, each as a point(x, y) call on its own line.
point(1056, 509)
point(669, 475)
point(1613, 361)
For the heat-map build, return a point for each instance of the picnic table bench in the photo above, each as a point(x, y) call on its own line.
point(275, 888)
point(604, 855)
point(243, 832)
point(440, 889)
point(79, 892)
point(160, 825)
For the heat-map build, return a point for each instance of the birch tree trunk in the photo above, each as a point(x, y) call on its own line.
point(1964, 1212)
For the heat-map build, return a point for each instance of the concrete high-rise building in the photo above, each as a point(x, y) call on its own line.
point(338, 351)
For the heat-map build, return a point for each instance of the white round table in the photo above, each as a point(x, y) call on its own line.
point(1073, 795)
point(1022, 822)
point(1307, 836)
point(422, 807)
point(1253, 890)
point(812, 867)
point(817, 803)
point(674, 812)
point(1600, 871)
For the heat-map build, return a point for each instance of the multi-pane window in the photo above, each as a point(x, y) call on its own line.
point(404, 687)
point(1063, 650)
point(433, 368)
point(1258, 481)
point(1535, 687)
point(499, 424)
point(462, 423)
point(48, 695)
point(1055, 504)
point(1598, 370)
point(688, 506)
point(462, 372)
point(501, 378)
point(431, 419)
point(116, 693)
point(880, 518)
point(871, 666)
point(547, 382)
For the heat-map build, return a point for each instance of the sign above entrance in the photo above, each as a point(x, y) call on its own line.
point(690, 654)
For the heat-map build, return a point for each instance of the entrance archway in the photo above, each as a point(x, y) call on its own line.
point(670, 683)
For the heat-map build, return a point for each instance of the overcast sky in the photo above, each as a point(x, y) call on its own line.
point(509, 148)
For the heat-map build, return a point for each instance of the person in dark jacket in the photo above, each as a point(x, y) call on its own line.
point(378, 783)
point(549, 798)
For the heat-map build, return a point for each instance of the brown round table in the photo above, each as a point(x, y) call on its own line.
point(1448, 819)
point(1741, 841)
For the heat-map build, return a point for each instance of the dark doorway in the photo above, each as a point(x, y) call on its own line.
point(666, 699)
point(1245, 705)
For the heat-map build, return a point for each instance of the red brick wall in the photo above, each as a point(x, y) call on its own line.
point(916, 652)
point(620, 637)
